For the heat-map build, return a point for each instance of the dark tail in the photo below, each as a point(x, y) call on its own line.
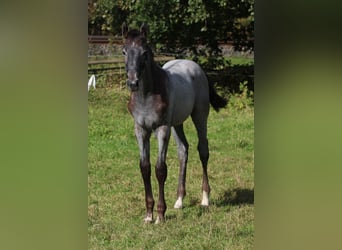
point(215, 100)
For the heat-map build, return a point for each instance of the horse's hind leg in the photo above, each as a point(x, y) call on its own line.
point(183, 147)
point(200, 121)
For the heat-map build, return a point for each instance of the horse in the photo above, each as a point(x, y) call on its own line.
point(161, 99)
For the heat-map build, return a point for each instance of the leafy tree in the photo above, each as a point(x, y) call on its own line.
point(180, 26)
point(105, 16)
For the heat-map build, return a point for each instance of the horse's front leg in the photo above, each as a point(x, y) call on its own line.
point(143, 138)
point(163, 135)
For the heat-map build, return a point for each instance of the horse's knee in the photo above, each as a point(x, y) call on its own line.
point(183, 151)
point(145, 168)
point(203, 151)
point(161, 172)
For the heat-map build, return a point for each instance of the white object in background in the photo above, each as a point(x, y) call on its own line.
point(91, 82)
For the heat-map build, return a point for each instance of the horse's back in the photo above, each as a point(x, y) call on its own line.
point(188, 86)
point(185, 68)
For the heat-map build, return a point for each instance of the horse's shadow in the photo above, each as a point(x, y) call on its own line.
point(230, 197)
point(235, 197)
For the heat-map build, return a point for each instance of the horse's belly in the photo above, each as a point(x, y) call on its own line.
point(182, 106)
point(188, 85)
point(179, 116)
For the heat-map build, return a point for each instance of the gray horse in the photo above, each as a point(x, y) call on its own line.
point(161, 100)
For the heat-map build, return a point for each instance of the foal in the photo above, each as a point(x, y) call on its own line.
point(162, 99)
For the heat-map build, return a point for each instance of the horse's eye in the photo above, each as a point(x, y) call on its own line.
point(124, 52)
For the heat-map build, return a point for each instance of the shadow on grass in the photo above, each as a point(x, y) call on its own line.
point(231, 77)
point(236, 197)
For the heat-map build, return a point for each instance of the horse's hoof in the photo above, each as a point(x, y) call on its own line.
point(159, 220)
point(179, 203)
point(148, 219)
point(205, 204)
point(205, 199)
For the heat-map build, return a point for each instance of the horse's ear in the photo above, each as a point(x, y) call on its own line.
point(144, 30)
point(124, 29)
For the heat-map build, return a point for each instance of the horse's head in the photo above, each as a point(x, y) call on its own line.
point(136, 52)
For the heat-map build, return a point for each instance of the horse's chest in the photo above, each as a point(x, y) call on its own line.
point(147, 118)
point(149, 113)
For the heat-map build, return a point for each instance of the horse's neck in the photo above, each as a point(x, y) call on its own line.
point(151, 100)
point(149, 80)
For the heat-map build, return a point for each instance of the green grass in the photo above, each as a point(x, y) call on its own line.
point(116, 205)
point(240, 60)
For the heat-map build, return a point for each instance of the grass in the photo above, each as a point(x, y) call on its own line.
point(116, 205)
point(240, 60)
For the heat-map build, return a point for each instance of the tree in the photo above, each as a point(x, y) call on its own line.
point(179, 26)
point(105, 16)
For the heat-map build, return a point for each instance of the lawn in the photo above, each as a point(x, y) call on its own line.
point(116, 205)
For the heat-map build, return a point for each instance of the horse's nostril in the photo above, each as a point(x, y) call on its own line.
point(132, 82)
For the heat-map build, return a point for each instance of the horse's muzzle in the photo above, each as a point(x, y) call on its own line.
point(132, 79)
point(133, 85)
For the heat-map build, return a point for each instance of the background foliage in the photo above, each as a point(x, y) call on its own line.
point(179, 25)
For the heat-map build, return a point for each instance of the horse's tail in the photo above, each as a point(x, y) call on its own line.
point(215, 100)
